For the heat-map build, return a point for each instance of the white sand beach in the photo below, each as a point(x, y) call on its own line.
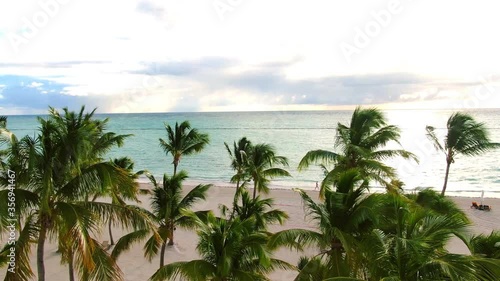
point(136, 268)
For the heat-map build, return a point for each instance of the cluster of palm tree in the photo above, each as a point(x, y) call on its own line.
point(61, 172)
point(57, 173)
point(389, 236)
point(233, 246)
point(169, 206)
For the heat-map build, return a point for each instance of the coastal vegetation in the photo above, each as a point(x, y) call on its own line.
point(56, 172)
point(464, 136)
point(66, 191)
point(168, 205)
point(360, 145)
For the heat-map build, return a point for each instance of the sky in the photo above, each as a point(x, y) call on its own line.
point(126, 56)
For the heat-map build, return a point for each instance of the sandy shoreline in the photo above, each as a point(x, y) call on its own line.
point(136, 268)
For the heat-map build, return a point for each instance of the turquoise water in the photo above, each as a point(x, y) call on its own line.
point(293, 134)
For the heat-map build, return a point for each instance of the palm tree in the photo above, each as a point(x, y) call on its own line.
point(229, 250)
point(360, 145)
point(182, 140)
point(342, 218)
point(409, 243)
point(486, 245)
point(65, 165)
point(464, 136)
point(261, 167)
point(239, 162)
point(435, 202)
point(258, 209)
point(167, 204)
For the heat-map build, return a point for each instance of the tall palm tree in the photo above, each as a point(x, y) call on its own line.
point(229, 250)
point(261, 167)
point(464, 136)
point(360, 145)
point(239, 162)
point(182, 140)
point(341, 219)
point(167, 204)
point(65, 165)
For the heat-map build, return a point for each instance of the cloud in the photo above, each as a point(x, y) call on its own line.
point(218, 83)
point(186, 67)
point(35, 85)
point(156, 9)
point(23, 97)
point(149, 7)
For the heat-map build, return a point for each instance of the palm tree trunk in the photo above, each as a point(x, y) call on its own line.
point(112, 242)
point(176, 162)
point(448, 164)
point(337, 257)
point(162, 253)
point(40, 249)
point(171, 234)
point(70, 266)
point(254, 189)
point(235, 200)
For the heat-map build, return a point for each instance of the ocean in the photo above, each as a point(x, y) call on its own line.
point(293, 134)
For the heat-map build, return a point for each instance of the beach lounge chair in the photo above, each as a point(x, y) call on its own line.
point(485, 207)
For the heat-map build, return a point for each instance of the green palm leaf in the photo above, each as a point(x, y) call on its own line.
point(126, 241)
point(196, 270)
point(23, 252)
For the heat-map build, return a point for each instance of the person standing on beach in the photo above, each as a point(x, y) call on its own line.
point(316, 186)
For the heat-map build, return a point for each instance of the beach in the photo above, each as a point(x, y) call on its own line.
point(136, 268)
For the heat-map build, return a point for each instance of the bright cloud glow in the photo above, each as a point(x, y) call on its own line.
point(220, 55)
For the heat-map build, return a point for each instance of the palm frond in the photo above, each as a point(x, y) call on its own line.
point(128, 216)
point(105, 268)
point(152, 246)
point(22, 270)
point(96, 177)
point(79, 223)
point(126, 241)
point(318, 156)
point(196, 194)
point(195, 270)
point(295, 239)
